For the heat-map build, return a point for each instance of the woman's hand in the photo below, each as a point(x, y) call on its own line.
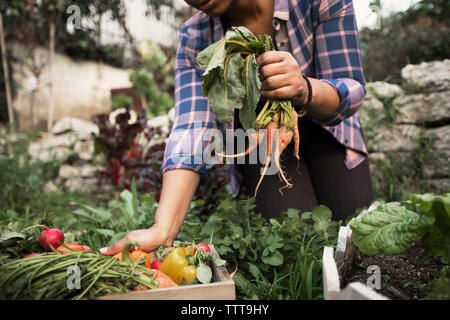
point(281, 77)
point(149, 240)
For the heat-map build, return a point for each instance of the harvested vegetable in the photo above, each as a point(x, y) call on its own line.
point(137, 255)
point(156, 264)
point(164, 281)
point(231, 81)
point(204, 247)
point(69, 247)
point(50, 238)
point(176, 266)
point(45, 276)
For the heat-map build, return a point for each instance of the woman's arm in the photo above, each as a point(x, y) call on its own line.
point(282, 79)
point(183, 159)
point(177, 191)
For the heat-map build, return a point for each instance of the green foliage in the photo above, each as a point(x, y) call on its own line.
point(275, 259)
point(391, 229)
point(231, 77)
point(121, 101)
point(144, 84)
point(403, 39)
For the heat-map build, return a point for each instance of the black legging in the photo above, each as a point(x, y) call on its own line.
point(319, 177)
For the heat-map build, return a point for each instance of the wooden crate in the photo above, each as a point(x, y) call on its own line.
point(222, 288)
point(335, 266)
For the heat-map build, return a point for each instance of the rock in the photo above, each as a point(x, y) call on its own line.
point(440, 185)
point(82, 128)
point(395, 138)
point(52, 147)
point(370, 107)
point(442, 138)
point(50, 187)
point(431, 76)
point(439, 165)
point(171, 114)
point(84, 149)
point(112, 116)
point(86, 171)
point(160, 121)
point(384, 89)
point(423, 108)
point(81, 184)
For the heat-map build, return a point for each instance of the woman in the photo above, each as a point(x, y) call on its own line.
point(317, 66)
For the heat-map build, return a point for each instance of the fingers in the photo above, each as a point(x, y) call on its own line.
point(270, 57)
point(115, 248)
point(280, 93)
point(274, 82)
point(270, 70)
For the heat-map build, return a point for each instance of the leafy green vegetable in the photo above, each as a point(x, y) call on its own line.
point(438, 238)
point(231, 78)
point(389, 229)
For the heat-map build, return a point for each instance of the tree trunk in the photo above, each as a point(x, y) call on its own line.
point(6, 74)
point(51, 102)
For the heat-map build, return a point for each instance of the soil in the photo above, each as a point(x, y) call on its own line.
point(405, 276)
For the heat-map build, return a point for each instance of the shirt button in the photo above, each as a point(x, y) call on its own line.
point(346, 141)
point(282, 44)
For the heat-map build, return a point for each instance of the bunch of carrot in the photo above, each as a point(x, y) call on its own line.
point(279, 119)
point(231, 81)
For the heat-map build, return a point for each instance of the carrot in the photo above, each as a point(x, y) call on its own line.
point(296, 135)
point(255, 140)
point(273, 125)
point(163, 279)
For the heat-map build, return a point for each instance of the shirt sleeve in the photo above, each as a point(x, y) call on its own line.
point(338, 56)
point(193, 115)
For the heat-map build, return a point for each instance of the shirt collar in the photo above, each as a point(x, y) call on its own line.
point(281, 10)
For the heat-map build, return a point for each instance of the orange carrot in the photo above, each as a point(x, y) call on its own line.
point(296, 135)
point(254, 139)
point(273, 125)
point(163, 279)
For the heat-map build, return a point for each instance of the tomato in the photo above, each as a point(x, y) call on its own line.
point(204, 247)
point(31, 255)
point(86, 248)
point(74, 246)
point(136, 255)
point(141, 255)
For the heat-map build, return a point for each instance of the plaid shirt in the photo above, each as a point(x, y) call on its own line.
point(322, 36)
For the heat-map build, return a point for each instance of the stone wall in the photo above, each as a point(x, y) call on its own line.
point(407, 129)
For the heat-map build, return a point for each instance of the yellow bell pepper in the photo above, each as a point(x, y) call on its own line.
point(190, 251)
point(176, 266)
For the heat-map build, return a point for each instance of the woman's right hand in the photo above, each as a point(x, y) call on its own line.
point(177, 191)
point(149, 240)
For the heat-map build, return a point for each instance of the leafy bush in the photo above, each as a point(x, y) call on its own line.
point(403, 39)
point(130, 153)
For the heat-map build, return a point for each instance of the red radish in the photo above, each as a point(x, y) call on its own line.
point(86, 248)
point(204, 247)
point(156, 264)
point(53, 237)
point(31, 255)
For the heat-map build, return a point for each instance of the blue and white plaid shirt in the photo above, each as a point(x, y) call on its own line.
point(323, 37)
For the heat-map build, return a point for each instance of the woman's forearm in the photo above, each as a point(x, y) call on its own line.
point(178, 189)
point(325, 100)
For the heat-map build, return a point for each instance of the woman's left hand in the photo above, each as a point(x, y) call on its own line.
point(281, 77)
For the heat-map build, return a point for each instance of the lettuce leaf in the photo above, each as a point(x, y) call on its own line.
point(438, 239)
point(390, 229)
